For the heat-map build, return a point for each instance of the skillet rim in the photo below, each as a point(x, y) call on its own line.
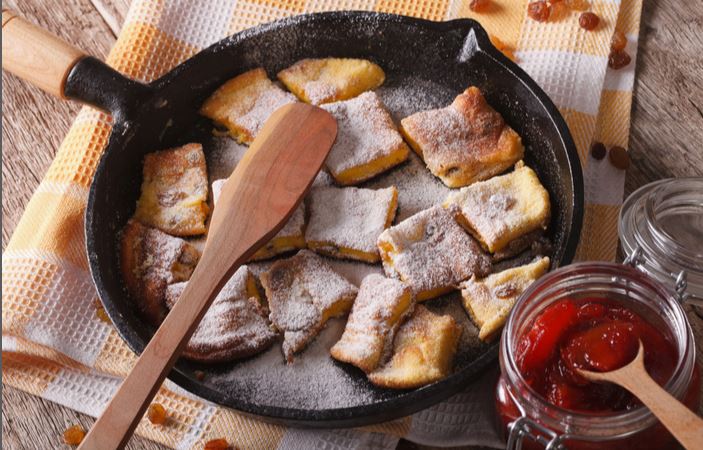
point(410, 401)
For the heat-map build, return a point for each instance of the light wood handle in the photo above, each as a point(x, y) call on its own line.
point(35, 55)
point(683, 423)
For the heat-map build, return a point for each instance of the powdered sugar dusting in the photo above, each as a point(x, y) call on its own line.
point(348, 217)
point(313, 381)
point(505, 207)
point(412, 95)
point(235, 325)
point(366, 133)
point(377, 313)
point(417, 188)
point(268, 101)
point(303, 292)
point(319, 91)
point(223, 156)
point(430, 251)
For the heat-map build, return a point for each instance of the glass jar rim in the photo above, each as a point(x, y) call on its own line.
point(663, 256)
point(633, 420)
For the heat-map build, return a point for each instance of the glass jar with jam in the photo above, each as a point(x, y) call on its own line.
point(592, 316)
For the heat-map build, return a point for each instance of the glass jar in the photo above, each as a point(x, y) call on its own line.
point(661, 231)
point(529, 420)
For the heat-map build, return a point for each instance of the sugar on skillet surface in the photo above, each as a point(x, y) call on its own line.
point(314, 380)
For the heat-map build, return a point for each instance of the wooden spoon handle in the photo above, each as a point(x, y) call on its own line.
point(683, 423)
point(122, 415)
point(36, 55)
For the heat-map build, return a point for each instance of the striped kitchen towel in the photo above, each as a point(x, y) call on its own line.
point(55, 346)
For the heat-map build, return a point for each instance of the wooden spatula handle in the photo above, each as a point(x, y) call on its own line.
point(36, 55)
point(683, 423)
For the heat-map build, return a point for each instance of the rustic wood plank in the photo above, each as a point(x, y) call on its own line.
point(33, 122)
point(31, 422)
point(113, 13)
point(667, 129)
point(667, 114)
point(33, 126)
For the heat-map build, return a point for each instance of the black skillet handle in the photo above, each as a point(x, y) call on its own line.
point(51, 64)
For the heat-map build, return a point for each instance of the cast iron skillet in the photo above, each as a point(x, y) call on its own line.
point(164, 113)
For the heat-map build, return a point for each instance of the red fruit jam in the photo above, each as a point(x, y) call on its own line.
point(591, 334)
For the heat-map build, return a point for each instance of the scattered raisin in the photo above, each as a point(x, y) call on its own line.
point(558, 11)
point(199, 375)
point(588, 21)
point(598, 150)
point(157, 414)
point(618, 59)
point(538, 11)
point(619, 158)
point(479, 5)
point(217, 444)
point(102, 315)
point(577, 5)
point(502, 46)
point(619, 41)
point(74, 435)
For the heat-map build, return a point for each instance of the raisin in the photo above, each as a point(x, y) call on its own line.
point(577, 5)
point(502, 47)
point(217, 444)
point(619, 41)
point(588, 21)
point(74, 435)
point(558, 11)
point(598, 150)
point(102, 315)
point(157, 414)
point(619, 158)
point(479, 5)
point(538, 11)
point(618, 59)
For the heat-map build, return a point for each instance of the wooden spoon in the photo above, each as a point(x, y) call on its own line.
point(257, 199)
point(683, 423)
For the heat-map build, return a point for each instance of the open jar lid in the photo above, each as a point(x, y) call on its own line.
point(661, 224)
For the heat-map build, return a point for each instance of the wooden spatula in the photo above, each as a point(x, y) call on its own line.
point(683, 423)
point(257, 199)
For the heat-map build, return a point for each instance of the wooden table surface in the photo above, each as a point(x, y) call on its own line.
point(666, 140)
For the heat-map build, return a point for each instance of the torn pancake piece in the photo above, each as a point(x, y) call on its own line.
point(431, 252)
point(235, 326)
point(464, 142)
point(303, 293)
point(326, 80)
point(489, 300)
point(174, 191)
point(244, 103)
point(504, 208)
point(368, 142)
point(150, 260)
point(423, 351)
point(379, 309)
point(346, 222)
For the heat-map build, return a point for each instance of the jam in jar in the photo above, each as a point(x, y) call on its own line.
point(591, 316)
